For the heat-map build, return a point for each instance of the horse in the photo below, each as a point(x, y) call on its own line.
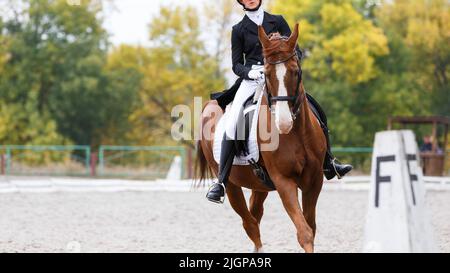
point(295, 164)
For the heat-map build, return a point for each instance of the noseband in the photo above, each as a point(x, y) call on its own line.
point(296, 99)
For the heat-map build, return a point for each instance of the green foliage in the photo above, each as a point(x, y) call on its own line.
point(60, 83)
point(367, 62)
point(179, 69)
point(56, 57)
point(125, 70)
point(420, 29)
point(24, 124)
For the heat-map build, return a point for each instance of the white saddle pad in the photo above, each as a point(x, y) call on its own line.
point(253, 148)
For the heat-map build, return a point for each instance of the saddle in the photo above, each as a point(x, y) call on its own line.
point(247, 150)
point(246, 118)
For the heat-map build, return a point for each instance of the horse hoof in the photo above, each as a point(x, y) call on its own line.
point(256, 250)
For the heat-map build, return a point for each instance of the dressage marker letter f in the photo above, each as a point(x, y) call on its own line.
point(381, 179)
point(412, 177)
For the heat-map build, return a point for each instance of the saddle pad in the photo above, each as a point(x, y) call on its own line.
point(253, 149)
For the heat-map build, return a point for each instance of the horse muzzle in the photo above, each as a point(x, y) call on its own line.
point(283, 118)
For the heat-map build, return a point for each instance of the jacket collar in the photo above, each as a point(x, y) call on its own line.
point(269, 23)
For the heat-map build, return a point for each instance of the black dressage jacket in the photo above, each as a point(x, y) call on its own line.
point(246, 50)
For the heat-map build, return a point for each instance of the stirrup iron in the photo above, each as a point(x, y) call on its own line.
point(333, 163)
point(222, 198)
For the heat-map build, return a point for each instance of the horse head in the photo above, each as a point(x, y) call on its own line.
point(283, 77)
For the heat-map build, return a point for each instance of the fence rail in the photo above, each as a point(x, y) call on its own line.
point(126, 161)
point(45, 159)
point(352, 150)
point(141, 161)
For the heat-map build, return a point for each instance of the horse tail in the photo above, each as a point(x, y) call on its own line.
point(202, 169)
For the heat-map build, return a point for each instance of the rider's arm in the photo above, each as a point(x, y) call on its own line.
point(237, 54)
point(285, 30)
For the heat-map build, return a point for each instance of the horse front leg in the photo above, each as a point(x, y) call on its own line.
point(249, 222)
point(309, 202)
point(257, 209)
point(288, 191)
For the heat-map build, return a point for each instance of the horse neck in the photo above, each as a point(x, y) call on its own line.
point(302, 125)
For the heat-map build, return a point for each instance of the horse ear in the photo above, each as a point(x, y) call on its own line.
point(263, 38)
point(292, 42)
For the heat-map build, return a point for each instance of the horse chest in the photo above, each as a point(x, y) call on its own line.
point(289, 161)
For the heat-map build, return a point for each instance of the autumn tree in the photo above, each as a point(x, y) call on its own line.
point(180, 67)
point(419, 32)
point(341, 47)
point(53, 79)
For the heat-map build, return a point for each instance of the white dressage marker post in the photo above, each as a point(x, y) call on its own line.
point(397, 220)
point(175, 169)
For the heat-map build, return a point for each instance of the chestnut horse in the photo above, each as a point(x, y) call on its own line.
point(298, 160)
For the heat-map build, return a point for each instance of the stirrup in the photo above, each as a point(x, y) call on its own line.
point(222, 198)
point(333, 163)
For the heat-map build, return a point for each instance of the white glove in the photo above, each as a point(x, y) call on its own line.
point(255, 74)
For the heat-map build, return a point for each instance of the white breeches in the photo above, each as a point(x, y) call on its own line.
point(247, 89)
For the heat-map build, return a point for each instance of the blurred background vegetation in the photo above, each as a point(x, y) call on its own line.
point(62, 82)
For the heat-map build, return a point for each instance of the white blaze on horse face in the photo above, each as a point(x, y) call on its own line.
point(283, 116)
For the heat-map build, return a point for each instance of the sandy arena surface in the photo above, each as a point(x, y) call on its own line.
point(163, 221)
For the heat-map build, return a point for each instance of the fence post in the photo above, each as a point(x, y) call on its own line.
point(100, 160)
point(2, 163)
point(93, 164)
point(189, 163)
point(8, 160)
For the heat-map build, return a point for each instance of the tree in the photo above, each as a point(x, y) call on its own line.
point(57, 54)
point(420, 29)
point(180, 68)
point(125, 69)
point(220, 17)
point(341, 48)
point(4, 54)
point(22, 124)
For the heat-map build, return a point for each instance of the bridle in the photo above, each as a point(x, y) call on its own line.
point(296, 99)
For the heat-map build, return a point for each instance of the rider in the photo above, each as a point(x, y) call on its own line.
point(248, 64)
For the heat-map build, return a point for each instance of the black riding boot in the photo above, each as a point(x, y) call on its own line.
point(331, 167)
point(216, 193)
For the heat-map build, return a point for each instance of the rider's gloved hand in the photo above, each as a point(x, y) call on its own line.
point(255, 74)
